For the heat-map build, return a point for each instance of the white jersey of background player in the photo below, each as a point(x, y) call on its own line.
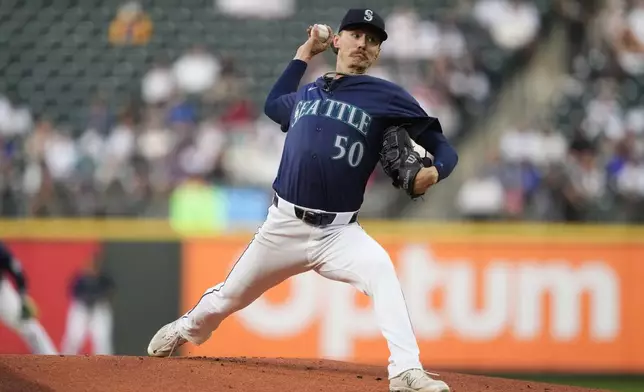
point(90, 312)
point(17, 309)
point(331, 149)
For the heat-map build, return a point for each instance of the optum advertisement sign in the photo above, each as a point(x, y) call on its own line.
point(497, 305)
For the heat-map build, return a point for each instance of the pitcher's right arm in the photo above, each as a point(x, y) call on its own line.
point(280, 100)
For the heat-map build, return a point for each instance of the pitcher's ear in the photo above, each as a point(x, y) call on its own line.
point(335, 45)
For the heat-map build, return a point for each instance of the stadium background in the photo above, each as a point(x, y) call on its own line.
point(136, 129)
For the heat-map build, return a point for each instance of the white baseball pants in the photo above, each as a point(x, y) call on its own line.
point(96, 321)
point(31, 331)
point(285, 246)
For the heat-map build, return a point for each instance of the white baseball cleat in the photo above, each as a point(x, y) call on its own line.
point(416, 380)
point(166, 341)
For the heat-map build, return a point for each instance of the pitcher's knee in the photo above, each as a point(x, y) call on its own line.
point(226, 302)
point(382, 266)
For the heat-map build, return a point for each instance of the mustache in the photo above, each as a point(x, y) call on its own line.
point(359, 53)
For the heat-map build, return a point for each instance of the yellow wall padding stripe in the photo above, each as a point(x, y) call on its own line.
point(150, 230)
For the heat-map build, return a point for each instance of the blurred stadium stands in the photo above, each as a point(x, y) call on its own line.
point(582, 159)
point(107, 108)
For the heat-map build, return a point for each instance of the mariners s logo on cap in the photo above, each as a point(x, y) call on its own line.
point(357, 17)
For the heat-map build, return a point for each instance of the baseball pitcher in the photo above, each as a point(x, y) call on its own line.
point(338, 129)
point(17, 310)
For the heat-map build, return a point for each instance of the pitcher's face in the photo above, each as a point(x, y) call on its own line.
point(358, 48)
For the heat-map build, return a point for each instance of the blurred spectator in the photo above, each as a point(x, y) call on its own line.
point(201, 154)
point(60, 154)
point(196, 71)
point(154, 145)
point(6, 114)
point(469, 85)
point(231, 87)
point(255, 155)
point(622, 29)
point(634, 120)
point(513, 24)
point(526, 144)
point(452, 39)
point(630, 187)
point(520, 144)
point(238, 113)
point(482, 197)
point(258, 9)
point(99, 118)
point(584, 184)
point(410, 37)
point(14, 121)
point(51, 156)
point(155, 140)
point(118, 149)
point(181, 112)
point(604, 115)
point(91, 145)
point(158, 84)
point(553, 148)
point(131, 26)
point(412, 41)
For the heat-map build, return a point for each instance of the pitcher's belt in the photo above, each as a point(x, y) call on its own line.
point(315, 218)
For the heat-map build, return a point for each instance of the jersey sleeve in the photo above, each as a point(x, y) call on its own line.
point(424, 130)
point(445, 156)
point(280, 100)
point(280, 110)
point(404, 108)
point(404, 104)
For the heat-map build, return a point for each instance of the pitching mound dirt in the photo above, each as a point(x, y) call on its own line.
point(26, 373)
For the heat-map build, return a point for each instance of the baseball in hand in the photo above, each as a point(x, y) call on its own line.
point(323, 32)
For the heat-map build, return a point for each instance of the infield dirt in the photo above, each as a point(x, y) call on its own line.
point(25, 373)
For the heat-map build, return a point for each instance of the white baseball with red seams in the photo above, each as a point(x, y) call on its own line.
point(323, 31)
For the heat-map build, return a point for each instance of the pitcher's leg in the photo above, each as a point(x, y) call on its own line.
point(259, 268)
point(277, 252)
point(356, 258)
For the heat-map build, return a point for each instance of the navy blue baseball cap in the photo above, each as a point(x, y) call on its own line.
point(356, 17)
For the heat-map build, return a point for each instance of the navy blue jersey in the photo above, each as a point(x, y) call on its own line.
point(335, 130)
point(90, 289)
